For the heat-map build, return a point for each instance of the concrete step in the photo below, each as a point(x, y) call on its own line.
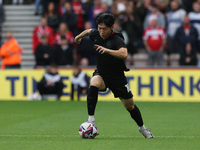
point(30, 57)
point(20, 35)
point(24, 41)
point(20, 24)
point(23, 18)
point(16, 29)
point(19, 7)
point(19, 13)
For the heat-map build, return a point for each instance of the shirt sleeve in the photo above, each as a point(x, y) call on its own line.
point(93, 34)
point(119, 43)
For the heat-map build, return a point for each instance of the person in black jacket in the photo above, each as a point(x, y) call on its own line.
point(43, 53)
point(63, 53)
point(186, 33)
point(189, 57)
point(51, 83)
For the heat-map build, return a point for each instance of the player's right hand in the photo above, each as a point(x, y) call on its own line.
point(77, 40)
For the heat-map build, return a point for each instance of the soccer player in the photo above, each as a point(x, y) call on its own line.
point(111, 53)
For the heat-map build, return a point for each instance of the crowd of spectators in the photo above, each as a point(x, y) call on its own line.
point(158, 26)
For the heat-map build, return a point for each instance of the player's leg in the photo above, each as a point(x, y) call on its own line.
point(96, 84)
point(137, 117)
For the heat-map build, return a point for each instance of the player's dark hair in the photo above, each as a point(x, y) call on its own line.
point(105, 18)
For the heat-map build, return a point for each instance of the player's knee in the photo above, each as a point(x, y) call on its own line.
point(130, 107)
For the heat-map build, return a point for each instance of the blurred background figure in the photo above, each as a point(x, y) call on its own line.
point(84, 62)
point(154, 40)
point(119, 8)
point(44, 54)
point(174, 20)
point(61, 7)
point(195, 19)
point(80, 83)
point(40, 30)
point(63, 30)
point(86, 48)
point(132, 26)
point(51, 82)
point(10, 53)
point(95, 10)
point(70, 18)
point(188, 57)
point(63, 53)
point(186, 33)
point(52, 16)
point(154, 12)
point(78, 9)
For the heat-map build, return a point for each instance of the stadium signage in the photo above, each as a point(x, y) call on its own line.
point(145, 84)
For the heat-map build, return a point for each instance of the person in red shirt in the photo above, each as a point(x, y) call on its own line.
point(63, 31)
point(40, 30)
point(154, 39)
point(79, 11)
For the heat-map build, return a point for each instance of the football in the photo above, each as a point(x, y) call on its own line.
point(88, 130)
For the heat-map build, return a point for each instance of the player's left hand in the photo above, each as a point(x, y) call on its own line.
point(101, 49)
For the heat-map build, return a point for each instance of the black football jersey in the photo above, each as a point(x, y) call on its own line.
point(109, 65)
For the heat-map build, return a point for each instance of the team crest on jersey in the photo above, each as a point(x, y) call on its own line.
point(109, 44)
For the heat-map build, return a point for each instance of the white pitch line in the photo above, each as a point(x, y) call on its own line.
point(110, 136)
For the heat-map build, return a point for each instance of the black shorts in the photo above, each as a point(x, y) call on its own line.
point(119, 87)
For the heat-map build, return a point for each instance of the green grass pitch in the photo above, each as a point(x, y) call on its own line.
point(53, 125)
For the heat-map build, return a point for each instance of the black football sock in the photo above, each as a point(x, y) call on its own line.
point(92, 99)
point(136, 115)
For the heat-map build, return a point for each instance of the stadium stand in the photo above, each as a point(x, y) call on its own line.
point(20, 20)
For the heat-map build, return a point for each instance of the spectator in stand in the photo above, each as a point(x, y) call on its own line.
point(51, 82)
point(84, 62)
point(61, 7)
point(188, 57)
point(162, 5)
point(108, 2)
point(154, 12)
point(133, 27)
point(186, 33)
point(80, 83)
point(43, 53)
point(140, 9)
point(70, 18)
point(10, 53)
point(2, 19)
point(174, 20)
point(95, 11)
point(105, 8)
point(119, 8)
point(154, 40)
point(195, 19)
point(40, 30)
point(53, 18)
point(63, 53)
point(63, 31)
point(80, 12)
point(187, 4)
point(86, 48)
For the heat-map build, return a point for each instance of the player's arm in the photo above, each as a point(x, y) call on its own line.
point(122, 53)
point(81, 35)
